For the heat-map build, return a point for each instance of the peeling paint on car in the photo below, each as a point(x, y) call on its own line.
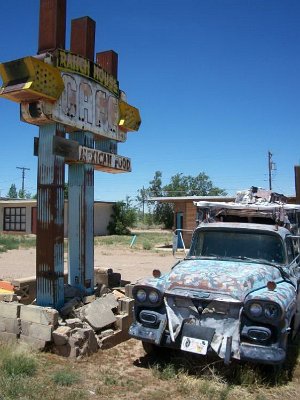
point(235, 307)
point(231, 277)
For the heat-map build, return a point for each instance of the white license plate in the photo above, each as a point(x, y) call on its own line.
point(193, 345)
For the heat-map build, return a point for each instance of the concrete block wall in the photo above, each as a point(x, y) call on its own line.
point(27, 323)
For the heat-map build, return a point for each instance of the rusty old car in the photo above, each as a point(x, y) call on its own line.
point(235, 295)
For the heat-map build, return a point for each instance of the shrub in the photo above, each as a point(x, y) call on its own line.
point(147, 245)
point(65, 378)
point(19, 364)
point(123, 218)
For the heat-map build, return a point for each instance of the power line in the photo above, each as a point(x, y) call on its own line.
point(23, 175)
point(271, 167)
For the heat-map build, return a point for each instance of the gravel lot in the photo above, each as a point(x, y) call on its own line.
point(132, 264)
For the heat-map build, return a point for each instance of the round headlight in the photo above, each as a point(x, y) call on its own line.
point(256, 310)
point(272, 311)
point(141, 295)
point(153, 296)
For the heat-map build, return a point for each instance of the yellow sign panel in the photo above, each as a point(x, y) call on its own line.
point(129, 118)
point(68, 61)
point(29, 79)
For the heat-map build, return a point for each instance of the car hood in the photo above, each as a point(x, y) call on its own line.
point(234, 278)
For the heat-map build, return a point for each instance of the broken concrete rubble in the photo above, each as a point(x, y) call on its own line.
point(98, 314)
point(61, 335)
point(83, 325)
point(107, 277)
point(102, 324)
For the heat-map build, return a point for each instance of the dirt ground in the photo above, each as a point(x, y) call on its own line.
point(132, 264)
point(125, 372)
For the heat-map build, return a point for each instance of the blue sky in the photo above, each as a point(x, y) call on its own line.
point(217, 83)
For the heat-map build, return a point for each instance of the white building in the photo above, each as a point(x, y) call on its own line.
point(20, 215)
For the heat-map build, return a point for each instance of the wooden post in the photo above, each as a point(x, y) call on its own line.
point(108, 60)
point(52, 25)
point(83, 37)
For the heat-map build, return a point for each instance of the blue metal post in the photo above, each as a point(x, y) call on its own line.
point(81, 220)
point(50, 221)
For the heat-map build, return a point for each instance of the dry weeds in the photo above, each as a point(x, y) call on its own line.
point(125, 372)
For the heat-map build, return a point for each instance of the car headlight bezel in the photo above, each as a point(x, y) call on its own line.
point(263, 310)
point(147, 296)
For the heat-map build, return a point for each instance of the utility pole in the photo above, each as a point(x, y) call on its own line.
point(23, 176)
point(271, 167)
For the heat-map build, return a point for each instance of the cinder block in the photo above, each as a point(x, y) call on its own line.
point(67, 351)
point(10, 325)
point(6, 337)
point(106, 276)
point(61, 335)
point(128, 290)
point(8, 297)
point(98, 314)
point(110, 300)
point(9, 310)
point(36, 331)
point(74, 323)
point(118, 294)
point(126, 306)
point(101, 275)
point(91, 345)
point(26, 289)
point(32, 343)
point(123, 322)
point(39, 315)
point(111, 341)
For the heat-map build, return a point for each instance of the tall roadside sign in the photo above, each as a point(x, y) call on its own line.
point(82, 115)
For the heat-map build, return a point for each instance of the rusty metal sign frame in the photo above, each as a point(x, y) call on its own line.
point(67, 92)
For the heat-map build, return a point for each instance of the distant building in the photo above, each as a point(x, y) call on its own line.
point(20, 215)
point(185, 212)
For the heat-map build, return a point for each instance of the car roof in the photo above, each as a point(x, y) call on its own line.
point(279, 230)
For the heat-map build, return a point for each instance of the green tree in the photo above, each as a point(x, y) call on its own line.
point(162, 212)
point(124, 217)
point(12, 193)
point(156, 185)
point(180, 185)
point(66, 191)
point(188, 185)
point(141, 199)
point(21, 194)
point(24, 195)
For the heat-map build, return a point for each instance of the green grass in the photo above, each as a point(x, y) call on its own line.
point(26, 375)
point(165, 372)
point(15, 365)
point(65, 377)
point(122, 372)
point(12, 242)
point(143, 240)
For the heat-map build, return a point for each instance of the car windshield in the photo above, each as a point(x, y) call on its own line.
point(238, 244)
